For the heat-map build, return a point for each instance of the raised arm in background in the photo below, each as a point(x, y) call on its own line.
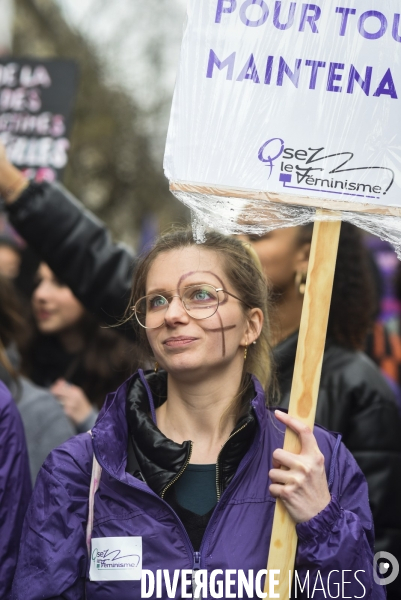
point(73, 242)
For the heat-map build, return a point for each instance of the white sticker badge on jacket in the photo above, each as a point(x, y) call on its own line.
point(116, 559)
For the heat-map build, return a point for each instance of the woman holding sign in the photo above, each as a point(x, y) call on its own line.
point(354, 398)
point(182, 468)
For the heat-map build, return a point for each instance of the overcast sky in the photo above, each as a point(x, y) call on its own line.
point(139, 42)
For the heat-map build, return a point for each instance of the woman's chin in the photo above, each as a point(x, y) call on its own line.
point(182, 365)
point(46, 328)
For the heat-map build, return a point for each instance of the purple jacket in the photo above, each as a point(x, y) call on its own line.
point(54, 563)
point(15, 487)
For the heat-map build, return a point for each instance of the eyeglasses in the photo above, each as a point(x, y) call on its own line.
point(200, 301)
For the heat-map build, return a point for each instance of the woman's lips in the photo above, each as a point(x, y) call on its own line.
point(175, 342)
point(42, 315)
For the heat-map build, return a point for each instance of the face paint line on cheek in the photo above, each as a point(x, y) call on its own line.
point(218, 329)
point(223, 337)
point(221, 329)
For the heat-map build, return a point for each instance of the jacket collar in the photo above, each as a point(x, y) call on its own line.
point(152, 456)
point(142, 450)
point(158, 460)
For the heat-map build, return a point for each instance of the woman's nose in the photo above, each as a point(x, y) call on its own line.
point(41, 292)
point(176, 312)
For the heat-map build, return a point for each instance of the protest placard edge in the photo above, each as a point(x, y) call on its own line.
point(292, 200)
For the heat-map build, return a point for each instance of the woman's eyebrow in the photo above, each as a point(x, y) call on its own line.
point(162, 291)
point(158, 291)
point(182, 278)
point(186, 275)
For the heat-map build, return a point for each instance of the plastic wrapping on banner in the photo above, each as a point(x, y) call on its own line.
point(225, 215)
point(283, 108)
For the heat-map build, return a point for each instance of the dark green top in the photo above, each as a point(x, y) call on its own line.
point(196, 490)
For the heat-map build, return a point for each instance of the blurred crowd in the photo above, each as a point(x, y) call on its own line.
point(64, 288)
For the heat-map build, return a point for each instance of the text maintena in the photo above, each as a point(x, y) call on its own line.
point(336, 76)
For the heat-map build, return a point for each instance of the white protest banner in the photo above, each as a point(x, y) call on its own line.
point(291, 102)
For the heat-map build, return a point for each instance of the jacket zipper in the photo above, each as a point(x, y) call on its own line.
point(172, 482)
point(218, 458)
point(195, 567)
point(206, 535)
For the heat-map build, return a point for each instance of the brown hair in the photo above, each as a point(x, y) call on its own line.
point(354, 296)
point(12, 324)
point(244, 274)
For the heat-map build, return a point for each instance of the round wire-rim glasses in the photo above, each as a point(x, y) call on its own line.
point(205, 297)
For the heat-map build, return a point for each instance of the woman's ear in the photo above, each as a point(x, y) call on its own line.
point(254, 326)
point(302, 258)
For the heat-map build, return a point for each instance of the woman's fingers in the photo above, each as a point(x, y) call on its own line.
point(308, 441)
point(300, 479)
point(281, 476)
point(60, 387)
point(283, 458)
point(278, 491)
point(75, 403)
point(276, 463)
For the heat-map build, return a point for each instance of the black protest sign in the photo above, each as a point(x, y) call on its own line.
point(36, 102)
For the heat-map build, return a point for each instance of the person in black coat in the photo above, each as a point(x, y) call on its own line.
point(354, 397)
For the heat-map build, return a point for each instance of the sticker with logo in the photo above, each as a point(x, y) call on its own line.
point(116, 559)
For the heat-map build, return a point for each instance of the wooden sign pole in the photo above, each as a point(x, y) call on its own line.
point(305, 384)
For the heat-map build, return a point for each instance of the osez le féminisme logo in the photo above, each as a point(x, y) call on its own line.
point(319, 170)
